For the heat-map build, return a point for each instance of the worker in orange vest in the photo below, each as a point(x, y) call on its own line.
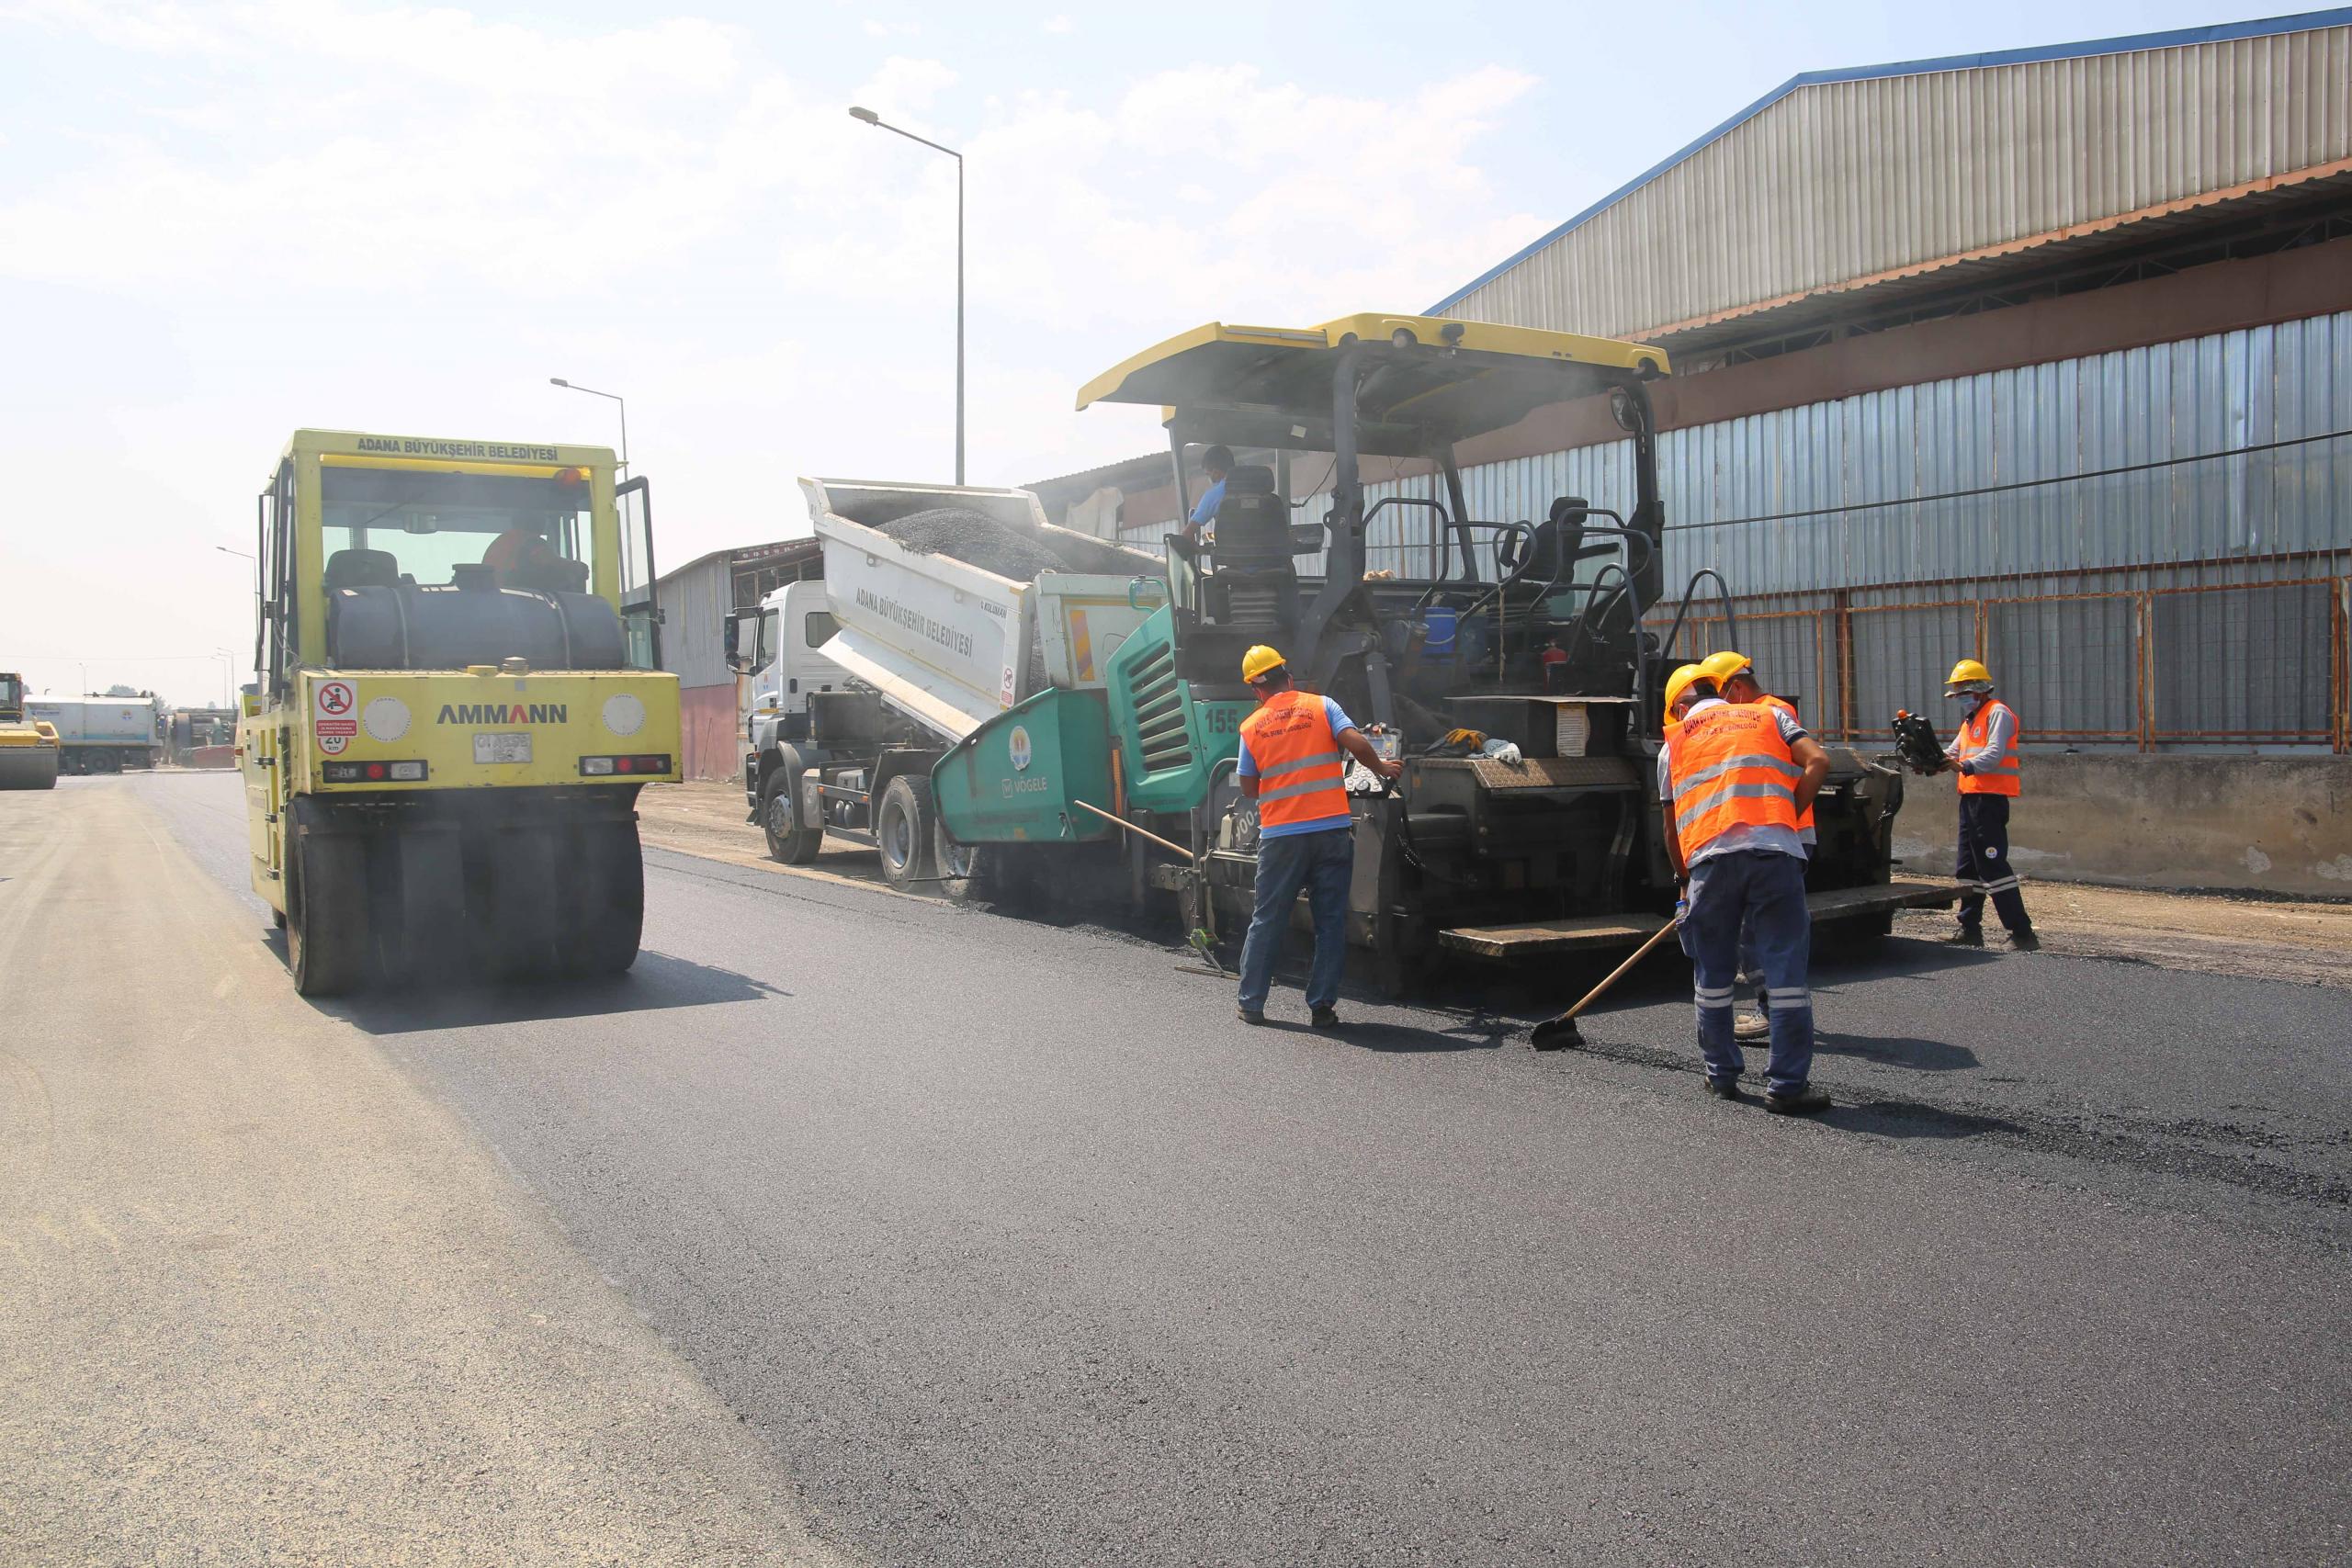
point(1293, 759)
point(1737, 780)
point(1735, 678)
point(1984, 754)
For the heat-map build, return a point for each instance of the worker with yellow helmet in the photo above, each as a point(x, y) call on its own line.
point(1294, 765)
point(1735, 677)
point(1733, 780)
point(1983, 752)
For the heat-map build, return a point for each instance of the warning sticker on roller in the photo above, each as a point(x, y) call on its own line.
point(345, 728)
point(336, 699)
point(333, 745)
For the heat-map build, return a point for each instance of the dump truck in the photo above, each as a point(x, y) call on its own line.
point(104, 734)
point(865, 681)
point(30, 749)
point(460, 698)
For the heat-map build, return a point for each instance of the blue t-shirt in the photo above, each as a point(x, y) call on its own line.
point(1206, 510)
point(1248, 768)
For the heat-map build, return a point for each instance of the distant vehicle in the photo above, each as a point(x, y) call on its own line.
point(200, 738)
point(104, 735)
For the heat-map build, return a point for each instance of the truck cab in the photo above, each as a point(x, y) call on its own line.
point(777, 645)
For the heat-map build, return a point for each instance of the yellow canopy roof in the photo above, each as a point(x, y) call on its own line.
point(1448, 379)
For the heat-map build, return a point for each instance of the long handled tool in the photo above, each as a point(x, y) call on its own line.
point(1561, 1033)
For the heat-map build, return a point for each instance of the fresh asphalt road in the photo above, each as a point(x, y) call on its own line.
point(1014, 1246)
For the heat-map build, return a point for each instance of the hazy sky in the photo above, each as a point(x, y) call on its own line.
point(219, 223)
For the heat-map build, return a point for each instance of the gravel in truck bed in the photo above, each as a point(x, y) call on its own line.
point(976, 539)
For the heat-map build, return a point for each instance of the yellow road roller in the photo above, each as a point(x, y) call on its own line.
point(457, 698)
point(28, 746)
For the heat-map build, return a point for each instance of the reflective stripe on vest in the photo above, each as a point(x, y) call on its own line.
point(1729, 767)
point(1804, 818)
point(1290, 738)
point(2001, 778)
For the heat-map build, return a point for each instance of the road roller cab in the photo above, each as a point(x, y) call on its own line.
point(458, 699)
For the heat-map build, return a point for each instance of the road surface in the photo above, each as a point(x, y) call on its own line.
point(942, 1236)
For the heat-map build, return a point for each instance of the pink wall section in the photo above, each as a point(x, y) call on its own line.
point(714, 746)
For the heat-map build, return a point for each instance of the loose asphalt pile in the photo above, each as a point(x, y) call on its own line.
point(976, 539)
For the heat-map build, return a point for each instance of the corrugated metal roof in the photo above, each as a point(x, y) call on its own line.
point(1843, 176)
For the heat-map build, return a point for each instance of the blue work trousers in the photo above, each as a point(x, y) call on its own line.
point(1726, 891)
point(1751, 971)
point(1983, 858)
point(1323, 862)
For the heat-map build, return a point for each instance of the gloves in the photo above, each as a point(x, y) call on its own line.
point(1504, 752)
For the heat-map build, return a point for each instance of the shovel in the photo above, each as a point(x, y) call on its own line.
point(1561, 1033)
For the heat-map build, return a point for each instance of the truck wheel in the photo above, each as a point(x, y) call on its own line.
point(789, 840)
point(326, 930)
point(904, 825)
point(957, 865)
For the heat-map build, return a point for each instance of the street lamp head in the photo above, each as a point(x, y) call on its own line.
point(868, 115)
point(557, 381)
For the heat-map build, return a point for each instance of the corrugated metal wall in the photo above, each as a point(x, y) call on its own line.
point(2045, 422)
point(694, 601)
point(1847, 180)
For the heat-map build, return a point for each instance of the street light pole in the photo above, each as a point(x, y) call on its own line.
point(870, 117)
point(575, 387)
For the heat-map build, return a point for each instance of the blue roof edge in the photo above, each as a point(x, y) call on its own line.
point(2219, 32)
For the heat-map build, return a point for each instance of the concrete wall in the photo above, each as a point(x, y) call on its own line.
point(2276, 825)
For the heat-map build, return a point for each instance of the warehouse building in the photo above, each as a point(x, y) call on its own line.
point(2043, 356)
point(694, 601)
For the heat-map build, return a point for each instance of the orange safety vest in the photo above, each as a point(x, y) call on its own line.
point(2002, 777)
point(1729, 767)
point(1299, 760)
point(1804, 818)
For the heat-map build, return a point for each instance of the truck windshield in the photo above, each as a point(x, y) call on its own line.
point(382, 526)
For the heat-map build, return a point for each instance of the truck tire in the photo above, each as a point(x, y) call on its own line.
point(905, 824)
point(326, 929)
point(956, 866)
point(790, 841)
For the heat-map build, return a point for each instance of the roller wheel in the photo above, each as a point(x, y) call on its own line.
point(957, 865)
point(906, 824)
point(789, 840)
point(612, 885)
point(326, 929)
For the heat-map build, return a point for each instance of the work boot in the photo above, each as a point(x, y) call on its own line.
point(1324, 1017)
point(1248, 1016)
point(2024, 942)
point(1751, 1026)
point(1966, 936)
point(1724, 1089)
point(1805, 1102)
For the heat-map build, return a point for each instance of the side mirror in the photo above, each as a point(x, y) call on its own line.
point(731, 636)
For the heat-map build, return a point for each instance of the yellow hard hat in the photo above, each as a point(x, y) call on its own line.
point(1680, 683)
point(1722, 667)
point(1260, 659)
point(1967, 675)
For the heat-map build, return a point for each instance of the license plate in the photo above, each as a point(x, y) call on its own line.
point(510, 747)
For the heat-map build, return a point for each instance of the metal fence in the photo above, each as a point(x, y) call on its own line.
point(2158, 661)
